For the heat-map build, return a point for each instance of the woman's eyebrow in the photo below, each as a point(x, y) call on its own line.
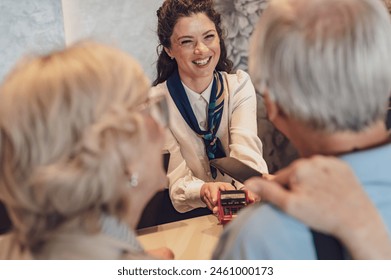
point(211, 30)
point(191, 37)
point(185, 37)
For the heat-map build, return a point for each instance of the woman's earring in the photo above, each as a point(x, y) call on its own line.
point(172, 58)
point(133, 180)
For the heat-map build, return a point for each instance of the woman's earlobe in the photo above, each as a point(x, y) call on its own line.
point(168, 52)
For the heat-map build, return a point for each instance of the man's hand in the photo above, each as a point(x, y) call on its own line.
point(324, 193)
point(311, 191)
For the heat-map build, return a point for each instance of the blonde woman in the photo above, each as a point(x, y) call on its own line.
point(78, 146)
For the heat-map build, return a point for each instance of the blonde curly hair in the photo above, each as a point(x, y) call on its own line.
point(68, 130)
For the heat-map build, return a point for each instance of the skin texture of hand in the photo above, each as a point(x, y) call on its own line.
point(255, 196)
point(162, 253)
point(252, 197)
point(323, 193)
point(209, 192)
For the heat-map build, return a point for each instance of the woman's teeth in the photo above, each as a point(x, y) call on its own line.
point(201, 62)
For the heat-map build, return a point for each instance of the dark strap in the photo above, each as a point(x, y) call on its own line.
point(388, 120)
point(327, 247)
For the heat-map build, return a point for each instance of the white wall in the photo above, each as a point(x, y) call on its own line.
point(28, 27)
point(40, 26)
point(128, 24)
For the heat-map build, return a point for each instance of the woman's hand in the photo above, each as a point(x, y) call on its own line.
point(162, 253)
point(209, 192)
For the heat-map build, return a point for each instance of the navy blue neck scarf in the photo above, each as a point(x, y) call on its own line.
point(212, 143)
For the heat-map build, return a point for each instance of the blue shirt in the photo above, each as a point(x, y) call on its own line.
point(264, 232)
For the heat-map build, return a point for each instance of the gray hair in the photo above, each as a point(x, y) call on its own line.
point(69, 128)
point(325, 63)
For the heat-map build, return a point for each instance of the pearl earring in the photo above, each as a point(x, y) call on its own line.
point(133, 180)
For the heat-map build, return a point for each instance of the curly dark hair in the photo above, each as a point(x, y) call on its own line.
point(168, 15)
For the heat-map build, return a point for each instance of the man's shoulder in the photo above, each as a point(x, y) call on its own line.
point(371, 166)
point(264, 221)
point(264, 232)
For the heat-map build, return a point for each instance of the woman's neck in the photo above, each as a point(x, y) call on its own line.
point(137, 202)
point(198, 85)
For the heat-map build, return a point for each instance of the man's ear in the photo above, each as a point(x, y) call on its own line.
point(272, 109)
point(168, 51)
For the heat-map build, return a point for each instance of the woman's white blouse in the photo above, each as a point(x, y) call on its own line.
point(189, 167)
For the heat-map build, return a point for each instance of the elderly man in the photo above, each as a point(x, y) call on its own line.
point(323, 68)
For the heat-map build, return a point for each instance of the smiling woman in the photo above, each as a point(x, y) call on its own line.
point(212, 112)
point(196, 49)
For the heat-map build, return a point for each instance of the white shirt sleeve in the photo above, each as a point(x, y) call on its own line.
point(184, 186)
point(244, 143)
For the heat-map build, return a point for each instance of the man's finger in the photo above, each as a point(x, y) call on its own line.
point(269, 191)
point(283, 176)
